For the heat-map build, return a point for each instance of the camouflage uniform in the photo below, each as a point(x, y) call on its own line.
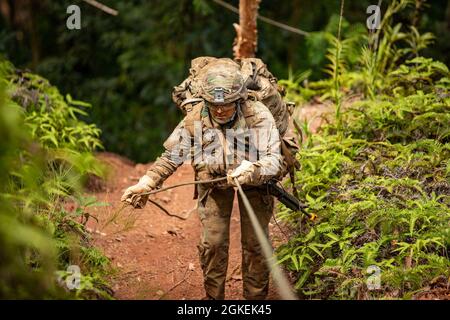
point(215, 202)
point(252, 151)
point(215, 206)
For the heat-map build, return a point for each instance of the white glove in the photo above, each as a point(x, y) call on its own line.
point(132, 194)
point(245, 174)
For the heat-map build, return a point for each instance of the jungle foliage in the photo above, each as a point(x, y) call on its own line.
point(377, 174)
point(46, 155)
point(126, 66)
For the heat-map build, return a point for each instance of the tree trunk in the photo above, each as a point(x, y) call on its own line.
point(21, 16)
point(245, 43)
point(6, 10)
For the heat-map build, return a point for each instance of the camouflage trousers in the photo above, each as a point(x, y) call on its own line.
point(214, 207)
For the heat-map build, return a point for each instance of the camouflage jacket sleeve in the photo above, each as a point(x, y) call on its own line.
point(177, 150)
point(270, 161)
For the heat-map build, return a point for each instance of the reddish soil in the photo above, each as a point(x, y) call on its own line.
point(157, 257)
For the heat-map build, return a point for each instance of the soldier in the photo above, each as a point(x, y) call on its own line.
point(209, 136)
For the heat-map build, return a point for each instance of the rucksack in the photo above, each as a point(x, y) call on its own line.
point(261, 86)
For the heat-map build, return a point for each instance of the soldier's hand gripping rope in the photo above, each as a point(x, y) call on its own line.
point(137, 198)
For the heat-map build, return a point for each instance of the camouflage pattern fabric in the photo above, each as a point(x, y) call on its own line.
point(214, 208)
point(216, 201)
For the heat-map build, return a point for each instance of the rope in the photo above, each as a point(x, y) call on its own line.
point(279, 278)
point(136, 199)
point(264, 19)
point(102, 7)
point(183, 184)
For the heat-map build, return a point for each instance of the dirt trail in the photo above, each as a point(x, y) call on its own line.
point(157, 258)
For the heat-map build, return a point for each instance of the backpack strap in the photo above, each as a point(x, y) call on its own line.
point(193, 113)
point(288, 150)
point(248, 111)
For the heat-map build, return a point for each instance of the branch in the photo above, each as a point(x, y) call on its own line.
point(102, 7)
point(262, 18)
point(185, 276)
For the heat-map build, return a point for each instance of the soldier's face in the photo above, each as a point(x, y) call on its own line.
point(223, 113)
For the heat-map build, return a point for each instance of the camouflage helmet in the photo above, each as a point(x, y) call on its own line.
point(222, 83)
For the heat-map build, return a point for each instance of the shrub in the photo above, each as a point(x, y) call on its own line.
point(378, 177)
point(46, 154)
